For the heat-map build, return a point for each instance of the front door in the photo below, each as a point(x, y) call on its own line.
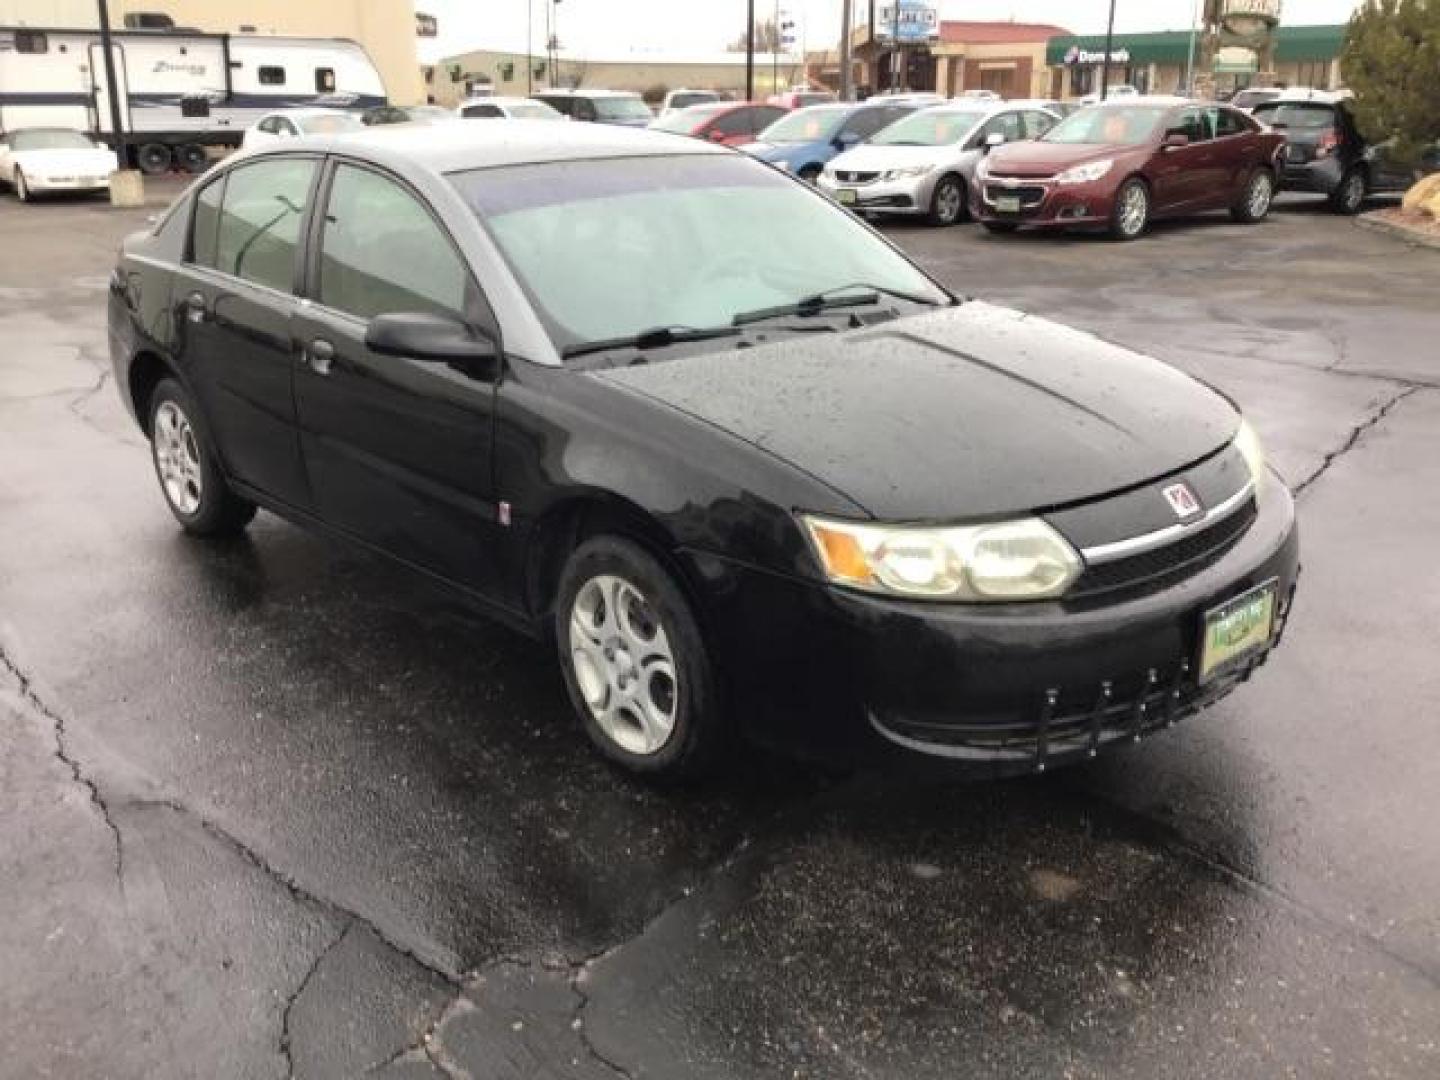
point(234, 305)
point(1183, 172)
point(398, 450)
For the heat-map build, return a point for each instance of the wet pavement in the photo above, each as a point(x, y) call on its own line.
point(273, 807)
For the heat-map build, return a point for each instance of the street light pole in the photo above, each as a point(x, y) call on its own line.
point(847, 91)
point(529, 47)
point(750, 50)
point(1105, 63)
point(1190, 58)
point(112, 87)
point(895, 53)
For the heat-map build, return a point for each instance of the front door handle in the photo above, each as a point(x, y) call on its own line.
point(195, 307)
point(320, 354)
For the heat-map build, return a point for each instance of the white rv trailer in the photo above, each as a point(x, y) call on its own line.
point(179, 90)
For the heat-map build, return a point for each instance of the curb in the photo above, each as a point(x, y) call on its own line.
point(1399, 232)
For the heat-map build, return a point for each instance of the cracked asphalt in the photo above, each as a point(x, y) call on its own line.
point(274, 808)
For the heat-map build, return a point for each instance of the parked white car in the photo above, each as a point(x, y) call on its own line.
point(35, 161)
point(293, 123)
point(676, 100)
point(507, 108)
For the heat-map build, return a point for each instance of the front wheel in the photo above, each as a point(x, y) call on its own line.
point(190, 478)
point(635, 662)
point(1349, 197)
point(22, 189)
point(947, 205)
point(1131, 216)
point(1256, 199)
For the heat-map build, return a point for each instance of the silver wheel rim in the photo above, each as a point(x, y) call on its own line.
point(1354, 190)
point(947, 202)
point(623, 664)
point(177, 458)
point(22, 189)
point(1134, 206)
point(1261, 193)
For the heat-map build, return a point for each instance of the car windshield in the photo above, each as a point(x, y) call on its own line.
point(621, 108)
point(930, 127)
point(50, 140)
point(532, 110)
point(687, 120)
point(1125, 125)
point(1297, 117)
point(814, 98)
point(330, 124)
point(806, 125)
point(611, 249)
point(697, 97)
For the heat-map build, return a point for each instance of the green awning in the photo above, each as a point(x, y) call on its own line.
point(1172, 47)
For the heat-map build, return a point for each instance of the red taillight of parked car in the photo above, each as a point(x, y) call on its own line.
point(1329, 140)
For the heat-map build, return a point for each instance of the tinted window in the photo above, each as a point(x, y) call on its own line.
point(734, 123)
point(272, 76)
point(260, 224)
point(482, 112)
point(382, 252)
point(1229, 122)
point(204, 224)
point(1194, 124)
point(1298, 117)
point(584, 110)
point(763, 116)
point(867, 122)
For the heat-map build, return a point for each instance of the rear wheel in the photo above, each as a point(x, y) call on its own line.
point(1131, 215)
point(193, 158)
point(1349, 197)
point(1256, 199)
point(185, 463)
point(635, 662)
point(947, 205)
point(154, 159)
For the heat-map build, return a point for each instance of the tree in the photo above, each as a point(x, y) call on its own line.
point(767, 38)
point(1390, 61)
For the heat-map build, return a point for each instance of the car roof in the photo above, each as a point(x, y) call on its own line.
point(466, 145)
point(496, 99)
point(309, 110)
point(566, 91)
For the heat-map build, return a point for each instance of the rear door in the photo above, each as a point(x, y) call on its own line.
point(234, 306)
point(398, 449)
point(1238, 150)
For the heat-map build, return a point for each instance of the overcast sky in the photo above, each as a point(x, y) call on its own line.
point(677, 27)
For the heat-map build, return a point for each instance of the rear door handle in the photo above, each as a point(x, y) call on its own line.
point(196, 307)
point(319, 355)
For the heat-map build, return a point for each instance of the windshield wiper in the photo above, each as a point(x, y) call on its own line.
point(825, 301)
point(657, 337)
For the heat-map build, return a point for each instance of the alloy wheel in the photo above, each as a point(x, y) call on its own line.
point(22, 189)
point(1134, 209)
point(948, 202)
point(1353, 193)
point(1262, 193)
point(177, 458)
point(624, 664)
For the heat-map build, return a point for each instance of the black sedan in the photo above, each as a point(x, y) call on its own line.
point(748, 468)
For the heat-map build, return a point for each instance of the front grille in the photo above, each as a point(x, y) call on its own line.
point(856, 177)
point(1031, 195)
point(1154, 569)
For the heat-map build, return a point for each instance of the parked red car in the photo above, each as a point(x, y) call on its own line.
point(1124, 163)
point(728, 122)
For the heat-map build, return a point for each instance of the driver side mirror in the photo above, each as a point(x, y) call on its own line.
point(434, 338)
point(1175, 139)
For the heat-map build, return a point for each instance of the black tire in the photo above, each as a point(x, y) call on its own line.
point(1000, 228)
point(810, 173)
point(192, 158)
point(1123, 225)
point(1349, 197)
point(22, 189)
point(217, 510)
point(1253, 205)
point(701, 732)
point(947, 204)
point(154, 159)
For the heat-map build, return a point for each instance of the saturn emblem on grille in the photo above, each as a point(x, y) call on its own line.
point(1182, 500)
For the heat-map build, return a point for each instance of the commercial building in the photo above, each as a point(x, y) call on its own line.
point(386, 29)
point(1006, 57)
point(1158, 62)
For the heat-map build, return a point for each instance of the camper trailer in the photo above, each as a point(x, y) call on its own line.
point(180, 91)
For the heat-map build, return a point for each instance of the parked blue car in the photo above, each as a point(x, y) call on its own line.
point(804, 140)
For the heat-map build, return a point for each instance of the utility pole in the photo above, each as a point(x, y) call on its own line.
point(847, 92)
point(529, 47)
point(112, 87)
point(895, 52)
point(1105, 65)
point(749, 50)
point(775, 52)
point(1190, 58)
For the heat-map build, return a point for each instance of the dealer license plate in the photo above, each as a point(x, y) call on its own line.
point(1008, 204)
point(1237, 629)
point(845, 196)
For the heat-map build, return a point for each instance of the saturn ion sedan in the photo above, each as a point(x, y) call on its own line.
point(1122, 164)
point(748, 469)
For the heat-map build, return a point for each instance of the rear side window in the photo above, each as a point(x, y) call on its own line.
point(1230, 122)
point(735, 123)
point(205, 224)
point(272, 76)
point(259, 231)
point(381, 252)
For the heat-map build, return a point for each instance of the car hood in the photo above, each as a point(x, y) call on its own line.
point(88, 162)
point(779, 151)
point(968, 412)
point(880, 158)
point(1047, 159)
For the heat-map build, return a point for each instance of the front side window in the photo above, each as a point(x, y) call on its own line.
point(608, 249)
point(272, 76)
point(259, 231)
point(381, 252)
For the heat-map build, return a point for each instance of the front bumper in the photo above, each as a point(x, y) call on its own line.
point(1042, 202)
point(1020, 688)
point(908, 196)
point(46, 184)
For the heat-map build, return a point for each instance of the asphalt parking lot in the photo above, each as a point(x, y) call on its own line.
point(276, 808)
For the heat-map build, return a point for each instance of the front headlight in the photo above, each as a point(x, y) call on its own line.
point(908, 173)
point(1251, 449)
point(1084, 174)
point(1013, 560)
